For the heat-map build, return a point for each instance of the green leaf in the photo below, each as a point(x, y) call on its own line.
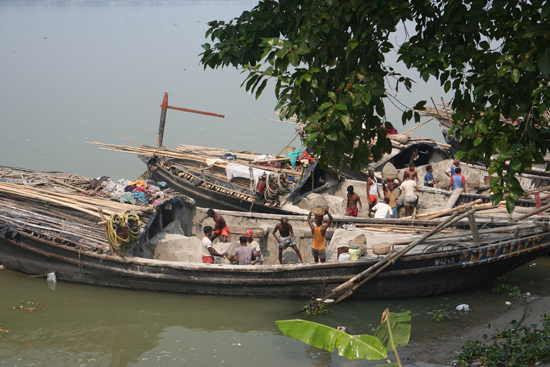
point(510, 204)
point(341, 106)
point(394, 330)
point(503, 70)
point(325, 105)
point(351, 347)
point(515, 75)
point(516, 165)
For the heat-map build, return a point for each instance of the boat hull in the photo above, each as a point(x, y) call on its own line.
point(410, 276)
point(205, 197)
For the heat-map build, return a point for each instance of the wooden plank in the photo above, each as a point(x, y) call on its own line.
point(452, 199)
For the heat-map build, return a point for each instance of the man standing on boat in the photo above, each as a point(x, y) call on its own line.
point(452, 170)
point(285, 238)
point(208, 252)
point(372, 189)
point(255, 246)
point(353, 201)
point(458, 181)
point(246, 254)
point(408, 187)
point(412, 173)
point(429, 179)
point(319, 230)
point(389, 192)
point(220, 228)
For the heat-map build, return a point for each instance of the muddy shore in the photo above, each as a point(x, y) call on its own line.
point(443, 350)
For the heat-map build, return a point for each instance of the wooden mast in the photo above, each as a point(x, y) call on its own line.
point(164, 106)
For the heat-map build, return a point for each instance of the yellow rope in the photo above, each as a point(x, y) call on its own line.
point(127, 219)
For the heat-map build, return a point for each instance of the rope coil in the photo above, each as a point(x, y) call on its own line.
point(123, 229)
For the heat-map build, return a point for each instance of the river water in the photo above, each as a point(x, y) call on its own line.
point(81, 71)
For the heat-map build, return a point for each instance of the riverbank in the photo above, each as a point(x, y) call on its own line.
point(443, 350)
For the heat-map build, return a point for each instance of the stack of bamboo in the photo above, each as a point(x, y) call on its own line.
point(71, 218)
point(199, 155)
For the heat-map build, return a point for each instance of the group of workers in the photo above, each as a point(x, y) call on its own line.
point(249, 252)
point(408, 188)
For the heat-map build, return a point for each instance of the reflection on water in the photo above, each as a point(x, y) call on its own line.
point(79, 325)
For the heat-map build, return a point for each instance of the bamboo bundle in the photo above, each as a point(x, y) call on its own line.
point(440, 213)
point(84, 204)
point(60, 224)
point(196, 154)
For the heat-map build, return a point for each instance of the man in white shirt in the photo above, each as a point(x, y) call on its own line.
point(382, 210)
point(408, 188)
point(255, 246)
point(208, 252)
point(372, 189)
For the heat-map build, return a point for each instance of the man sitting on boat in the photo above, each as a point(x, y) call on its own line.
point(353, 200)
point(246, 254)
point(220, 227)
point(208, 252)
point(252, 243)
point(319, 230)
point(285, 238)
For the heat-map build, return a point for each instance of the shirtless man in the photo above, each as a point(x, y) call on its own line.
point(220, 227)
point(412, 173)
point(353, 200)
point(285, 238)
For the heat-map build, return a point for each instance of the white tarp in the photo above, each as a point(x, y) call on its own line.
point(238, 170)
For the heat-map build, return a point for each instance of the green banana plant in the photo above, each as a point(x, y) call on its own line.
point(393, 331)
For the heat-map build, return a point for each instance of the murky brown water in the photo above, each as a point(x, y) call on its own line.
point(78, 325)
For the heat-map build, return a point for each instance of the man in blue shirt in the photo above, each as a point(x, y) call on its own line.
point(429, 177)
point(458, 181)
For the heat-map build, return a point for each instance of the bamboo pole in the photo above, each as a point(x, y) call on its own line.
point(439, 213)
point(417, 126)
point(387, 259)
point(390, 259)
point(536, 211)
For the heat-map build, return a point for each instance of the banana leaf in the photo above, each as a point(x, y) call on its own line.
point(354, 347)
point(394, 329)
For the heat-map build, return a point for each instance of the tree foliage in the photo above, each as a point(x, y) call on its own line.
point(328, 61)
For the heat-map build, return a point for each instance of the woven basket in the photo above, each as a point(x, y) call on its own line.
point(318, 211)
point(358, 241)
point(381, 249)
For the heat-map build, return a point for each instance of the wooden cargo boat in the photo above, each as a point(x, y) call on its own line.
point(233, 180)
point(45, 231)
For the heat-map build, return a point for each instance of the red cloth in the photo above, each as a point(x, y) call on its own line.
point(309, 158)
point(352, 213)
point(373, 199)
point(223, 232)
point(207, 259)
